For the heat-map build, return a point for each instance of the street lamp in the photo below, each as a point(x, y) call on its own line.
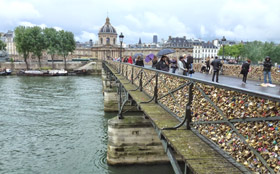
point(121, 36)
point(224, 42)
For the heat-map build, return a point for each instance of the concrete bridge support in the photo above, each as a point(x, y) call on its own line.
point(133, 140)
point(111, 96)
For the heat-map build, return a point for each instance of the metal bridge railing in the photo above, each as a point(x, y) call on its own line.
point(243, 123)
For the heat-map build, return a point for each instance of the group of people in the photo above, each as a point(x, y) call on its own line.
point(185, 66)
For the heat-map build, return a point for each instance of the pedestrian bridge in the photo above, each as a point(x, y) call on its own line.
point(213, 128)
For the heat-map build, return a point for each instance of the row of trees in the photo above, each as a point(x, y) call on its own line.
point(35, 40)
point(2, 45)
point(255, 51)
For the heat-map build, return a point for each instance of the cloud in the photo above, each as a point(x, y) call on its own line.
point(57, 28)
point(29, 24)
point(235, 19)
point(249, 20)
point(132, 36)
point(86, 36)
point(17, 10)
point(134, 21)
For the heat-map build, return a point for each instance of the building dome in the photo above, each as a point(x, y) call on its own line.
point(107, 28)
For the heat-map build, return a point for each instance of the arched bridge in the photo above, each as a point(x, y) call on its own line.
point(213, 128)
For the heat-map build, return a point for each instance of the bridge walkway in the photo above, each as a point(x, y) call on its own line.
point(198, 156)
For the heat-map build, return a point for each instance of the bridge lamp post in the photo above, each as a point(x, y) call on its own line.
point(121, 36)
point(223, 43)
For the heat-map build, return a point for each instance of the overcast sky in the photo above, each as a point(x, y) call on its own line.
point(245, 20)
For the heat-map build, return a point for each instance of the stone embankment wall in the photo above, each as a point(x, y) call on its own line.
point(256, 72)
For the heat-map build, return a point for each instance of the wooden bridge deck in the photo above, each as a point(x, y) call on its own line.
point(198, 155)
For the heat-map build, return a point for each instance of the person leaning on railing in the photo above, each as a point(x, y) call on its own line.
point(163, 64)
point(174, 65)
point(154, 62)
point(139, 61)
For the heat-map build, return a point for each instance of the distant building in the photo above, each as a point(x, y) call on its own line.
point(155, 39)
point(8, 38)
point(204, 50)
point(177, 42)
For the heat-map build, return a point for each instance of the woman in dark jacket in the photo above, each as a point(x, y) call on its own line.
point(139, 61)
point(245, 69)
point(163, 64)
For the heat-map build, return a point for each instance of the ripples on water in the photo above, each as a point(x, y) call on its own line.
point(55, 125)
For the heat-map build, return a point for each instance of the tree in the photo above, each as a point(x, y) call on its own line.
point(66, 44)
point(23, 42)
point(232, 51)
point(52, 42)
point(253, 51)
point(225, 49)
point(37, 42)
point(2, 45)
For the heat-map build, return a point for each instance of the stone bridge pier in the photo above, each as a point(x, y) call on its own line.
point(131, 136)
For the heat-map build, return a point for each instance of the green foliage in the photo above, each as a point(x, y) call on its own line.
point(66, 44)
point(36, 40)
point(255, 51)
point(232, 51)
point(23, 42)
point(51, 40)
point(2, 45)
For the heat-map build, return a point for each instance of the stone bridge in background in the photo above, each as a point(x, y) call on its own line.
point(203, 127)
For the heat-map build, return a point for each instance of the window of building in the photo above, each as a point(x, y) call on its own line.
point(107, 40)
point(101, 40)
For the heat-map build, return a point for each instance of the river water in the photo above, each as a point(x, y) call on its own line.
point(57, 125)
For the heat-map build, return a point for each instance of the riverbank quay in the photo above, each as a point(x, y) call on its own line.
point(75, 67)
point(196, 152)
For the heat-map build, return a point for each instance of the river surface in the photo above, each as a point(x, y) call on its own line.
point(57, 125)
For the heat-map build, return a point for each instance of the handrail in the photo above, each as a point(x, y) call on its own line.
point(220, 110)
point(245, 91)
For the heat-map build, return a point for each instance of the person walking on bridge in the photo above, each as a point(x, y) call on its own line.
point(216, 67)
point(266, 70)
point(245, 69)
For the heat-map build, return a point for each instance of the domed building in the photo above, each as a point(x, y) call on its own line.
point(107, 46)
point(107, 34)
